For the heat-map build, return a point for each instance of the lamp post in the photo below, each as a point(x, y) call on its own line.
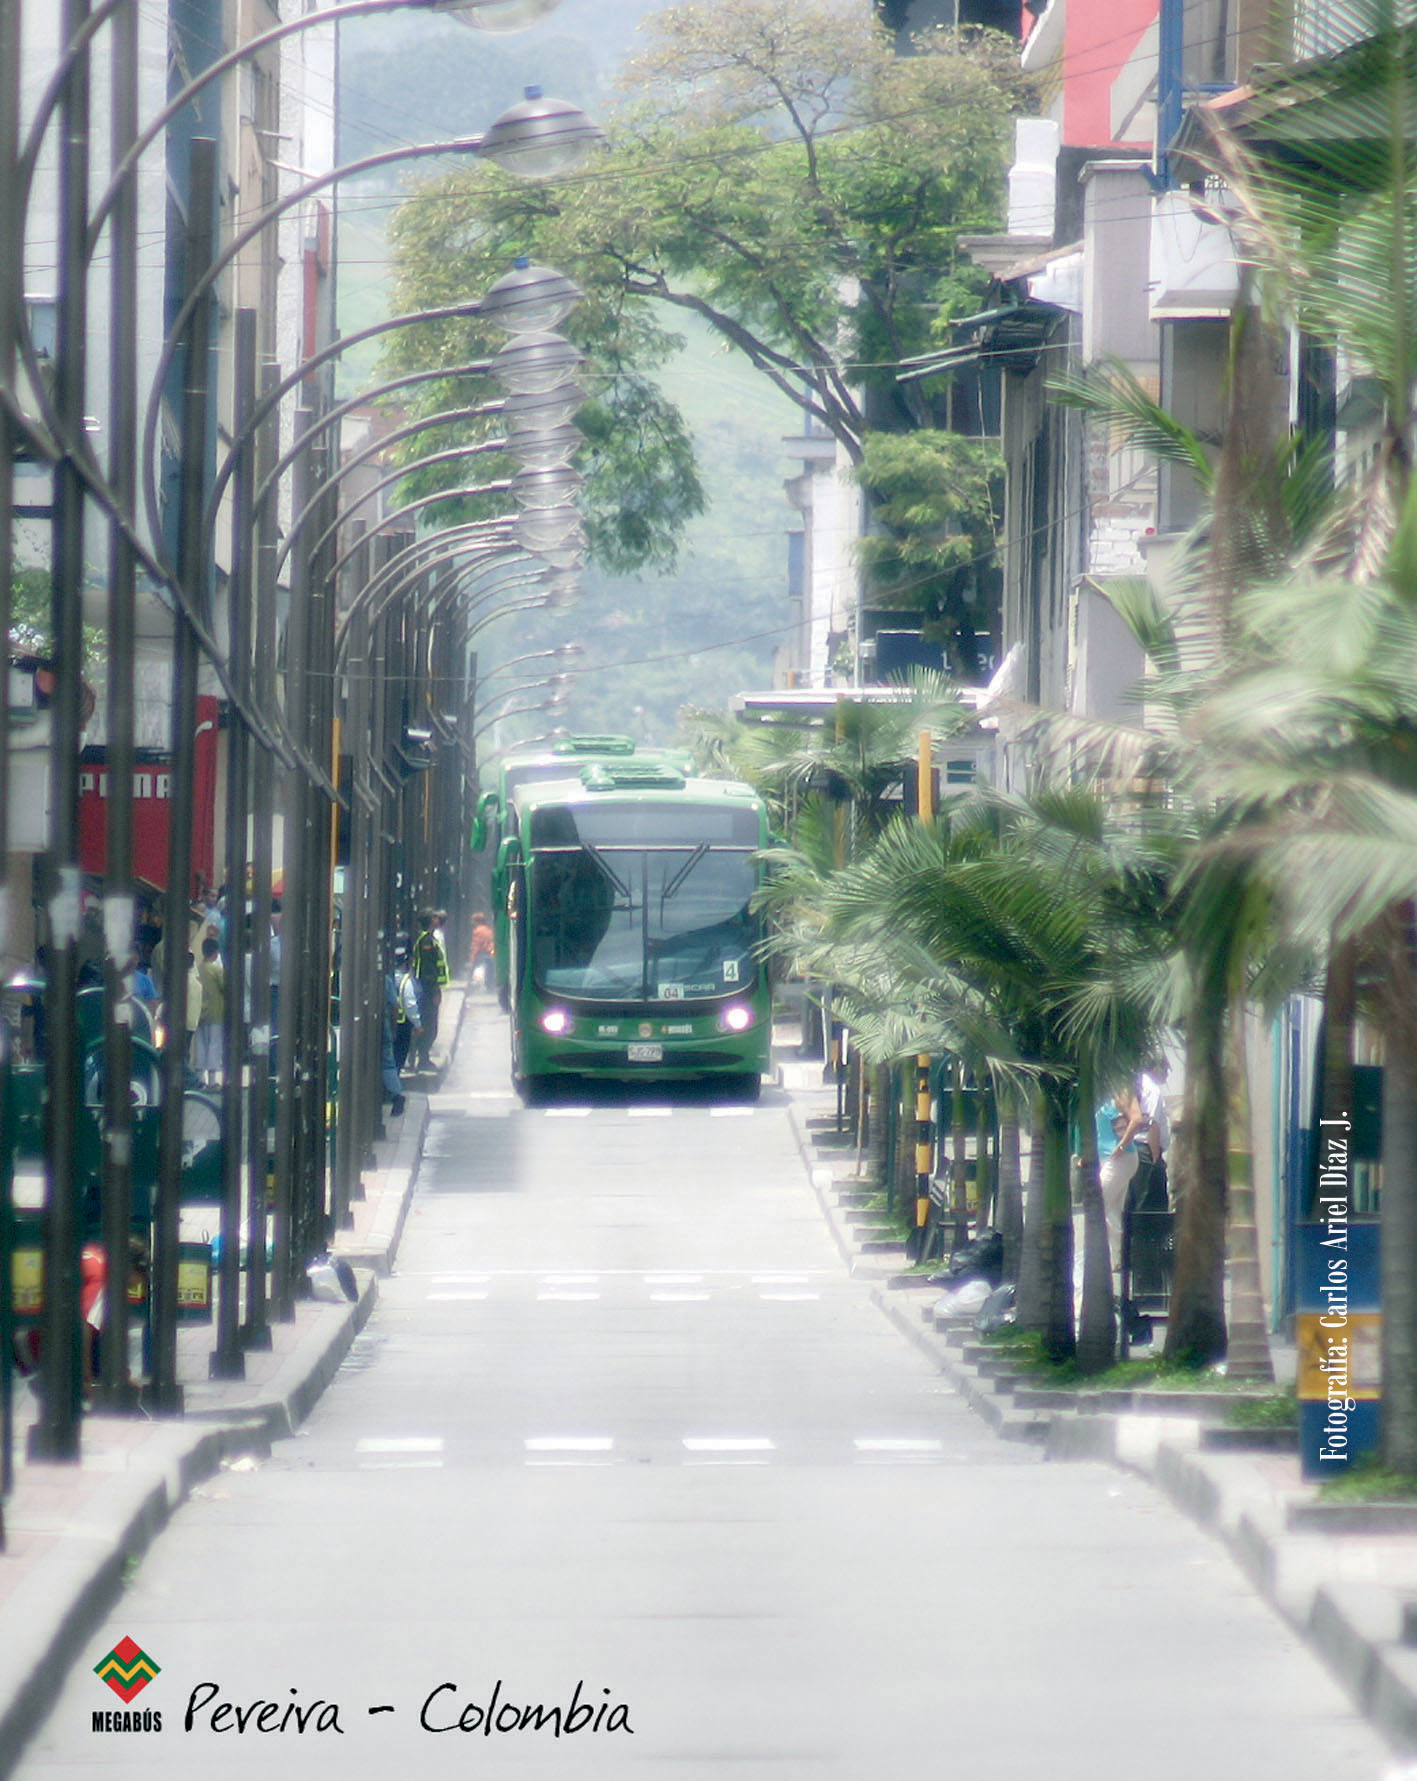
point(80, 481)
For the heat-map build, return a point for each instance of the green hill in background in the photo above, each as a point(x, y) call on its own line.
point(707, 630)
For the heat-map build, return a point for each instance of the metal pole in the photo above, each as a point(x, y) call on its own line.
point(176, 927)
point(359, 964)
point(290, 1057)
point(382, 866)
point(228, 1358)
point(115, 1393)
point(56, 1434)
point(321, 835)
point(256, 1331)
point(11, 293)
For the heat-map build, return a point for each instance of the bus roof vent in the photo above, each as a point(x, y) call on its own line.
point(626, 776)
point(594, 745)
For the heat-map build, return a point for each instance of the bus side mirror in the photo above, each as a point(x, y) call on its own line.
point(509, 854)
point(486, 807)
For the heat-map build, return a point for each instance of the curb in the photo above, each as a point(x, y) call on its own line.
point(52, 1612)
point(1285, 1550)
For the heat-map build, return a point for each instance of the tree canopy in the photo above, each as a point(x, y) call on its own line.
point(781, 174)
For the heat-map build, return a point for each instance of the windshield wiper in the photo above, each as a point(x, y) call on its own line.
point(671, 889)
point(621, 889)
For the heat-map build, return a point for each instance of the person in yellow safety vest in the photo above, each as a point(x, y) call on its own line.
point(430, 967)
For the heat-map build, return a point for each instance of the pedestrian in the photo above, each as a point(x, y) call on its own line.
point(144, 985)
point(209, 1056)
point(1116, 1166)
point(274, 971)
point(407, 1011)
point(194, 1020)
point(430, 967)
point(393, 1082)
point(1149, 1125)
point(482, 952)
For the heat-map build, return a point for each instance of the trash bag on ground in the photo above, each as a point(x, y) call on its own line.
point(982, 1256)
point(963, 1300)
point(997, 1311)
point(331, 1280)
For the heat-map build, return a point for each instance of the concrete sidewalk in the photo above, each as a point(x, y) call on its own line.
point(1343, 1576)
point(72, 1531)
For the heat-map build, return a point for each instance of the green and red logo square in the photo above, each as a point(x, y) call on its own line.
point(127, 1670)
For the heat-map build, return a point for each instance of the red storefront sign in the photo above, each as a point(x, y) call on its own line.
point(152, 793)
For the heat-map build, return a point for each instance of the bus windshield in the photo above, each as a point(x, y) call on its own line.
point(662, 923)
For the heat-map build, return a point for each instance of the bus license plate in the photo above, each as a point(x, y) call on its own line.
point(646, 1054)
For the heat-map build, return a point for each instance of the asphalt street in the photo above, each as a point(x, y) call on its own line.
point(624, 1442)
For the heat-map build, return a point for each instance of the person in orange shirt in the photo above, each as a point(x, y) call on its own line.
point(482, 950)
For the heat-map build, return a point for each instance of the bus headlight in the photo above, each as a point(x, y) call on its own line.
point(737, 1017)
point(557, 1022)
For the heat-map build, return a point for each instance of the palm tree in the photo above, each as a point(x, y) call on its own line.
point(1012, 931)
point(1316, 722)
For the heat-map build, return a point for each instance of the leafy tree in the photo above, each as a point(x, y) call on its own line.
point(938, 507)
point(780, 174)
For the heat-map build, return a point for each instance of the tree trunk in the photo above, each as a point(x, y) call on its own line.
point(1030, 1305)
point(1399, 1204)
point(1059, 1339)
point(1097, 1332)
point(1247, 1351)
point(1195, 1328)
point(984, 1158)
point(1010, 1185)
point(959, 1163)
point(878, 1126)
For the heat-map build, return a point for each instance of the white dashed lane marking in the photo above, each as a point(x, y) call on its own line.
point(729, 1112)
point(664, 1287)
point(400, 1453)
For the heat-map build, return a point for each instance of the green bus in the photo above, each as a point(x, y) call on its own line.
point(634, 947)
point(496, 816)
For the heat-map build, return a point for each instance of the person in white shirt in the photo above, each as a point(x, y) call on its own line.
point(1150, 1125)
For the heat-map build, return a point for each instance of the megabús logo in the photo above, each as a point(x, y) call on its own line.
point(127, 1670)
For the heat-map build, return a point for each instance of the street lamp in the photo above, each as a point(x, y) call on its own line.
point(79, 480)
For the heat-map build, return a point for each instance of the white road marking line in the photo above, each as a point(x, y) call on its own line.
point(565, 1296)
point(779, 1279)
point(579, 1277)
point(460, 1296)
point(568, 1112)
point(739, 1460)
point(728, 1444)
point(895, 1444)
point(400, 1465)
point(651, 1112)
point(569, 1443)
point(679, 1298)
point(787, 1298)
point(569, 1462)
point(673, 1279)
point(400, 1444)
point(732, 1112)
